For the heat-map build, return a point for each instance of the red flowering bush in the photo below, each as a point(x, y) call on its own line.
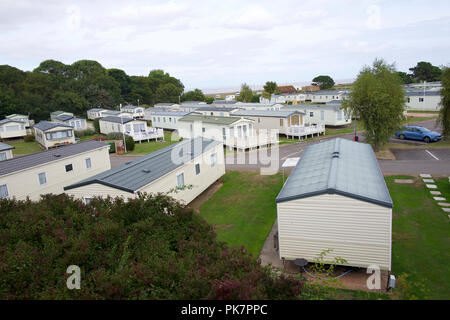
point(147, 248)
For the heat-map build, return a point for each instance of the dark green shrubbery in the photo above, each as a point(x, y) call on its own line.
point(119, 136)
point(29, 138)
point(147, 248)
point(97, 125)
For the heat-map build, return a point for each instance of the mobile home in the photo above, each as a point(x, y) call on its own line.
point(336, 199)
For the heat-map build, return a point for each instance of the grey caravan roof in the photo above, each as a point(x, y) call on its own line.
point(121, 120)
point(47, 125)
point(4, 147)
point(172, 113)
point(337, 166)
point(224, 109)
point(267, 113)
point(421, 93)
point(35, 159)
point(333, 106)
point(136, 174)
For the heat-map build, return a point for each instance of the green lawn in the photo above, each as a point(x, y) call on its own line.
point(420, 240)
point(149, 147)
point(23, 148)
point(243, 210)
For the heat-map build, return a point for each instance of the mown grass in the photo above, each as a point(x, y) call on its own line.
point(420, 241)
point(243, 210)
point(23, 148)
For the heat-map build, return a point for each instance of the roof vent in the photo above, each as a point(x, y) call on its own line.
point(335, 154)
point(146, 171)
point(57, 155)
point(128, 162)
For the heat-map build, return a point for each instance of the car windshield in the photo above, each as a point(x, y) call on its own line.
point(424, 130)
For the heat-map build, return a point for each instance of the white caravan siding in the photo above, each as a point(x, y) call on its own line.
point(26, 182)
point(356, 230)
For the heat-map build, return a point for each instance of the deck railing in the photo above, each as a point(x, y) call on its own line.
point(149, 134)
point(303, 131)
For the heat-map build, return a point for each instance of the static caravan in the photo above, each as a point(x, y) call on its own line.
point(76, 123)
point(428, 100)
point(234, 132)
point(167, 119)
point(328, 114)
point(326, 96)
point(336, 199)
point(115, 113)
point(223, 103)
point(135, 111)
point(273, 120)
point(274, 98)
point(95, 113)
point(136, 128)
point(21, 117)
point(10, 128)
point(259, 106)
point(183, 170)
point(52, 134)
point(6, 151)
point(166, 105)
point(50, 171)
point(58, 113)
point(216, 111)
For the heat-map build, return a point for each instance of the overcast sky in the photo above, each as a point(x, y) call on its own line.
point(215, 44)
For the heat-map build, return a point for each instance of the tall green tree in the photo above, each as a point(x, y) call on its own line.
point(425, 71)
point(270, 87)
point(378, 100)
point(405, 77)
point(194, 95)
point(324, 82)
point(444, 114)
point(168, 93)
point(246, 94)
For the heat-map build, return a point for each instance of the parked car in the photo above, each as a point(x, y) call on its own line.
point(418, 133)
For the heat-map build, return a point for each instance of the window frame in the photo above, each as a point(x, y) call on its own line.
point(39, 178)
point(70, 164)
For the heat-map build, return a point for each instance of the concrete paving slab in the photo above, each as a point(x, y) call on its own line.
point(428, 180)
point(446, 209)
point(431, 186)
point(444, 204)
point(439, 198)
point(404, 181)
point(436, 193)
point(425, 175)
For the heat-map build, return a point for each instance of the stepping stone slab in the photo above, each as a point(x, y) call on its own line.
point(425, 175)
point(428, 180)
point(435, 193)
point(403, 181)
point(439, 198)
point(444, 204)
point(431, 186)
point(446, 209)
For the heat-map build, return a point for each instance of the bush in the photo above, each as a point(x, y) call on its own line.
point(84, 133)
point(97, 125)
point(119, 136)
point(29, 138)
point(147, 248)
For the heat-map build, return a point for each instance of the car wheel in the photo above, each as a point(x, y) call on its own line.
point(427, 139)
point(402, 137)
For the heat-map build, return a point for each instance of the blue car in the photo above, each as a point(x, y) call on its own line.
point(418, 133)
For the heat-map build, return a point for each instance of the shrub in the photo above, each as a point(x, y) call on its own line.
point(29, 138)
point(119, 136)
point(97, 125)
point(84, 133)
point(147, 248)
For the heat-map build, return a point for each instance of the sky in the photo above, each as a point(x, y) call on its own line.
point(222, 44)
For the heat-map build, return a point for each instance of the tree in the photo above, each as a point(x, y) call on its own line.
point(425, 71)
point(324, 82)
point(270, 87)
point(405, 77)
point(246, 94)
point(168, 93)
point(444, 114)
point(149, 247)
point(378, 100)
point(195, 95)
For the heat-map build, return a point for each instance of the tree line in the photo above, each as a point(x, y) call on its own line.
point(75, 88)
